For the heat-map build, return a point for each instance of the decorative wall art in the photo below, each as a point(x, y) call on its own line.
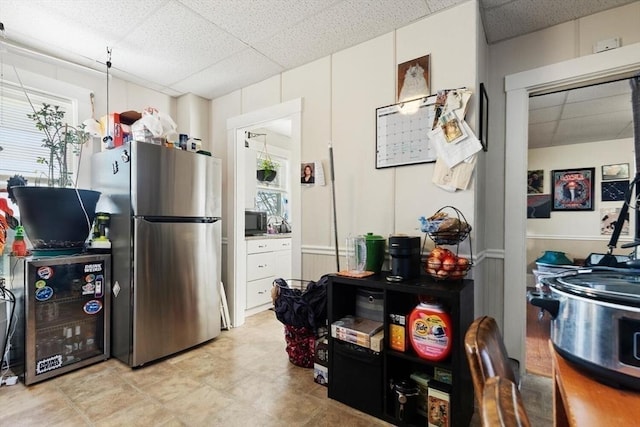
point(573, 189)
point(608, 219)
point(539, 206)
point(484, 118)
point(617, 171)
point(614, 191)
point(535, 181)
point(413, 79)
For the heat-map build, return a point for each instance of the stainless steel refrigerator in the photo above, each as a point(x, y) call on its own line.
point(165, 231)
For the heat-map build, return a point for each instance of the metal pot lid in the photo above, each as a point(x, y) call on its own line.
point(611, 286)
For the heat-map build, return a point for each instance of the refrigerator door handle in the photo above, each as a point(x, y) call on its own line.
point(181, 219)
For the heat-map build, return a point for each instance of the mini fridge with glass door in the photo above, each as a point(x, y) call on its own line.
point(62, 313)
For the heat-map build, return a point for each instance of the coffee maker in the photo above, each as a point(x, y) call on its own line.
point(405, 256)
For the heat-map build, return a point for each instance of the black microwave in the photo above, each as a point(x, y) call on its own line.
point(255, 223)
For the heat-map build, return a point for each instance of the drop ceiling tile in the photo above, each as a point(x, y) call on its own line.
point(173, 43)
point(547, 100)
point(235, 72)
point(541, 134)
point(585, 129)
point(542, 115)
point(345, 24)
point(437, 5)
point(619, 104)
point(525, 16)
point(620, 87)
point(251, 20)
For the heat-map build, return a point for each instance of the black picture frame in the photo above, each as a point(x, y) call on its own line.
point(573, 189)
point(484, 118)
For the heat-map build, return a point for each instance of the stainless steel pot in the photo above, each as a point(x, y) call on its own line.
point(596, 322)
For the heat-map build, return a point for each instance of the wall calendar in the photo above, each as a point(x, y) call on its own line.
point(402, 132)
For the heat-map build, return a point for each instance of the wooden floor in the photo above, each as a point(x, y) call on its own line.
point(537, 351)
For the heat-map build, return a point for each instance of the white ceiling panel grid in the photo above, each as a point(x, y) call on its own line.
point(213, 47)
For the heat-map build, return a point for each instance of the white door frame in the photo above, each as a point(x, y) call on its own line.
point(518, 87)
point(237, 251)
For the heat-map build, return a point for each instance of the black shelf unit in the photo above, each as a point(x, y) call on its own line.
point(361, 379)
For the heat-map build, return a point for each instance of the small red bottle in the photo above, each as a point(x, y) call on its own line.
point(19, 246)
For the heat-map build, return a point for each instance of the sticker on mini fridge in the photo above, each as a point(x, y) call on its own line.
point(45, 272)
point(93, 306)
point(48, 364)
point(44, 293)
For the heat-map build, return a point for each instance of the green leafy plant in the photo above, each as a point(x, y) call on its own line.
point(60, 139)
point(267, 169)
point(268, 165)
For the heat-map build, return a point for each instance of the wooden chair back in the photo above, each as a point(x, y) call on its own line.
point(502, 405)
point(486, 354)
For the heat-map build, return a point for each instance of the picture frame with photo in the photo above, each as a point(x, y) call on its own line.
point(615, 172)
point(535, 181)
point(573, 189)
point(414, 79)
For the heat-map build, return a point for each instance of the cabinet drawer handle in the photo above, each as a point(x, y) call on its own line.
point(262, 265)
point(262, 246)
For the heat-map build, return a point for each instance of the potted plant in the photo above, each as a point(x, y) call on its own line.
point(56, 216)
point(267, 169)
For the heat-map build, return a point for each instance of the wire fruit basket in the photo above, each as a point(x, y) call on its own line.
point(447, 229)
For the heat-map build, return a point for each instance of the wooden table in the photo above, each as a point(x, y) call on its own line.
point(579, 400)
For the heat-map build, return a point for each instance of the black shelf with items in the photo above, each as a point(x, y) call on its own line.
point(364, 379)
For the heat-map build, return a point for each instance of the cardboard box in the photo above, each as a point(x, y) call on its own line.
point(321, 356)
point(377, 341)
point(442, 375)
point(438, 405)
point(355, 330)
point(398, 337)
point(320, 374)
point(422, 381)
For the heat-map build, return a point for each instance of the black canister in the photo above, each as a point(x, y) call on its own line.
point(405, 256)
point(406, 395)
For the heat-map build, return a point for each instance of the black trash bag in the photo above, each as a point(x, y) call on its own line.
point(302, 309)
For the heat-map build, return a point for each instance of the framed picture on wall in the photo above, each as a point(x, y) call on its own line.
point(573, 189)
point(614, 191)
point(413, 79)
point(484, 117)
point(535, 181)
point(538, 206)
point(617, 171)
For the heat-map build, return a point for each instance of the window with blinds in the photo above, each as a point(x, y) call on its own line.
point(20, 140)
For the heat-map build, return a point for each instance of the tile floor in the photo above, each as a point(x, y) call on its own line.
point(241, 378)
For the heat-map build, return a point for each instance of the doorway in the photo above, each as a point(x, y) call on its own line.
point(238, 129)
point(592, 126)
point(518, 88)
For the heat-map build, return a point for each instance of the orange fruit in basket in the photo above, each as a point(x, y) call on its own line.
point(463, 263)
point(449, 263)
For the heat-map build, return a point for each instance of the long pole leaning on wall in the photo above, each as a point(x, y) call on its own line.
point(333, 194)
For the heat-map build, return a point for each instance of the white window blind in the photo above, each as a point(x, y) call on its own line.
point(19, 138)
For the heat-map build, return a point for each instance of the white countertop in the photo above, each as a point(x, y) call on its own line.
point(269, 236)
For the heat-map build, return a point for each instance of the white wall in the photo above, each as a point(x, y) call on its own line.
point(340, 94)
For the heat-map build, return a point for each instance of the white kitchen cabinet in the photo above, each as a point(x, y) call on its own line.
point(267, 259)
